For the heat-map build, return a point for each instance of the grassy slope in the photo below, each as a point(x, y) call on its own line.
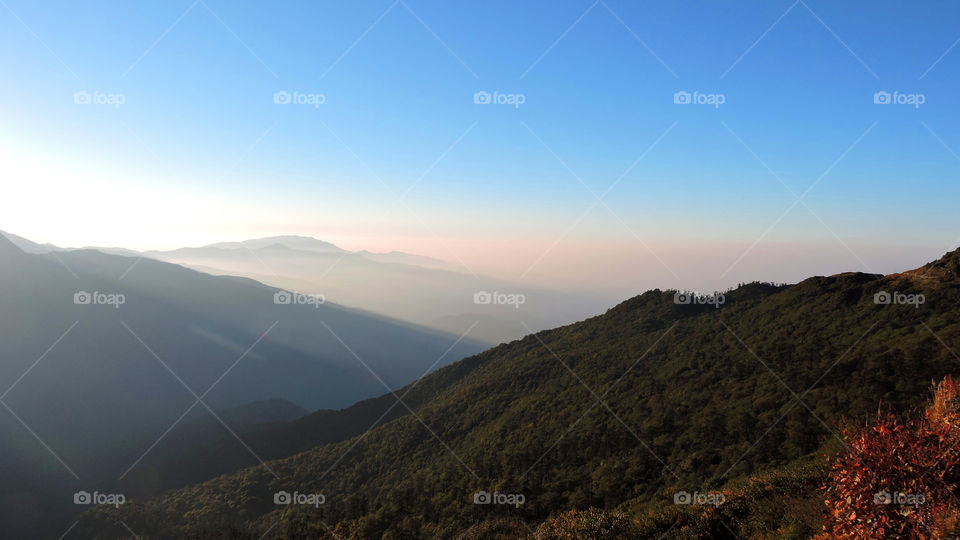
point(696, 412)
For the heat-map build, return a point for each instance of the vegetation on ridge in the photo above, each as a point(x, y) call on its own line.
point(621, 410)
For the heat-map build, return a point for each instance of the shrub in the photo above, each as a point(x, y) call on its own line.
point(899, 478)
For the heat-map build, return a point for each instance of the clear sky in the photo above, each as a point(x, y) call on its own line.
point(597, 180)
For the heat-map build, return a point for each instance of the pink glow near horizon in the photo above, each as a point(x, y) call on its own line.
point(612, 267)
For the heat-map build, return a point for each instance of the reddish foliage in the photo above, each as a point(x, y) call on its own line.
point(914, 462)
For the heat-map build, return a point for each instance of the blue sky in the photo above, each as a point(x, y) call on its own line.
point(198, 151)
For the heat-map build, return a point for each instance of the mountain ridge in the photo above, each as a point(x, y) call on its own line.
point(125, 345)
point(418, 289)
point(693, 397)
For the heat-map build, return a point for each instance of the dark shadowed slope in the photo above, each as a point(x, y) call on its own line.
point(99, 381)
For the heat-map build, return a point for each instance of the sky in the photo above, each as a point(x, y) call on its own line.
point(537, 141)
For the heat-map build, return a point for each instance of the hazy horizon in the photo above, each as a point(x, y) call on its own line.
point(692, 266)
point(395, 126)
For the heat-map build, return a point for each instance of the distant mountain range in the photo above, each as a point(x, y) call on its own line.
point(413, 288)
point(103, 353)
point(621, 412)
point(409, 287)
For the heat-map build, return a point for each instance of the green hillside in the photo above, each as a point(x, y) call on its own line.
point(691, 398)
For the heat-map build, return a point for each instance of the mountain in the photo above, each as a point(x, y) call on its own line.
point(185, 462)
point(617, 412)
point(184, 455)
point(103, 354)
point(399, 257)
point(28, 246)
point(113, 251)
point(302, 243)
point(267, 411)
point(409, 287)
